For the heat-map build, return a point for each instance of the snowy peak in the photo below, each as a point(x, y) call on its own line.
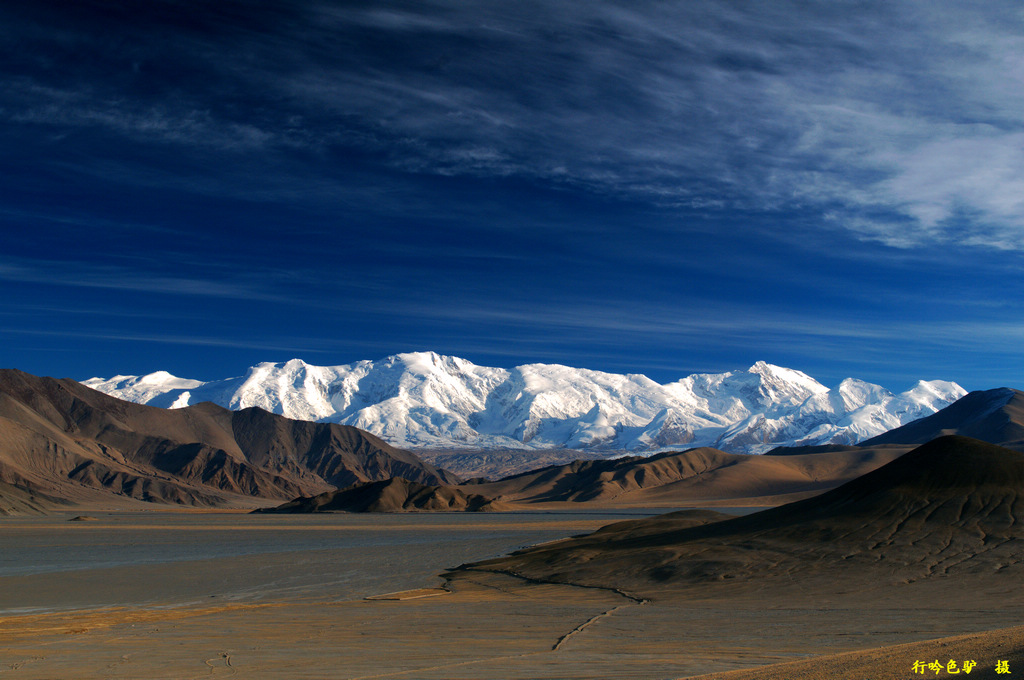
point(857, 393)
point(931, 395)
point(424, 399)
point(778, 385)
point(157, 389)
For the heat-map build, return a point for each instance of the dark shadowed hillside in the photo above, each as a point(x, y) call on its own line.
point(680, 478)
point(392, 495)
point(952, 507)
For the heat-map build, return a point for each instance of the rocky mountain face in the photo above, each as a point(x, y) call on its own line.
point(60, 440)
point(425, 400)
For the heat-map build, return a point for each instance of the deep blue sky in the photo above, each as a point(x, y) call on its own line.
point(634, 186)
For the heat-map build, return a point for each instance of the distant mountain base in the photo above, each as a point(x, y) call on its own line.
point(697, 477)
point(392, 495)
point(497, 463)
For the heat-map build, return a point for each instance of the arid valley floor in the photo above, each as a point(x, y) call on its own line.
point(196, 595)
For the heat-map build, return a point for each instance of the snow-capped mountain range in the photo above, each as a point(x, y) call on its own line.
point(425, 400)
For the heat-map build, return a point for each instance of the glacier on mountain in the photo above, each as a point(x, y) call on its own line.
point(426, 400)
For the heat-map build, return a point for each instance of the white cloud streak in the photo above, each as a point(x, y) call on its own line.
point(81, 275)
point(902, 122)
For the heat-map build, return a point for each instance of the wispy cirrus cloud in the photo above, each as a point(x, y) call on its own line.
point(899, 120)
point(81, 108)
point(899, 123)
point(293, 346)
point(81, 275)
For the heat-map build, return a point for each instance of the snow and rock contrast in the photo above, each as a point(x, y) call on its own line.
point(427, 400)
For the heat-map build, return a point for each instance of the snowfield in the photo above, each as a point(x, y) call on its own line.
point(426, 400)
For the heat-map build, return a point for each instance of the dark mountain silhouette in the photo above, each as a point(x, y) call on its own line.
point(392, 495)
point(62, 439)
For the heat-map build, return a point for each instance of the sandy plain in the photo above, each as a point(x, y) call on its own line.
point(199, 595)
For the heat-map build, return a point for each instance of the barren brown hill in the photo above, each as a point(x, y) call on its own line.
point(994, 416)
point(695, 476)
point(60, 438)
point(17, 501)
point(392, 495)
point(953, 507)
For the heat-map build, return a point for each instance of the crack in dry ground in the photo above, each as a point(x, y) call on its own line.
point(593, 619)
